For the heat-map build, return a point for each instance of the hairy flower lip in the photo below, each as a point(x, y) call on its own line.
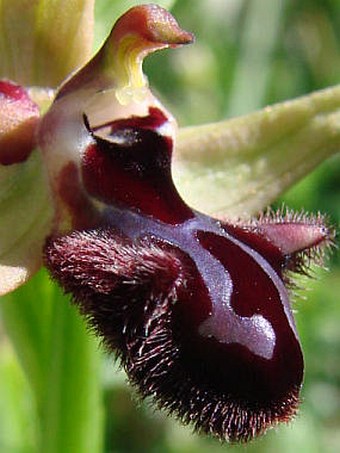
point(151, 339)
point(179, 296)
point(254, 393)
point(230, 416)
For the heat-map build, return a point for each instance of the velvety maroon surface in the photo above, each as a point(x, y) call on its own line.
point(197, 309)
point(131, 169)
point(237, 370)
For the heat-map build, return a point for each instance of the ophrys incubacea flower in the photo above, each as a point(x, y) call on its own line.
point(196, 307)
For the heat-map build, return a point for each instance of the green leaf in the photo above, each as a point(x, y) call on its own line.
point(42, 41)
point(62, 364)
point(17, 418)
point(238, 167)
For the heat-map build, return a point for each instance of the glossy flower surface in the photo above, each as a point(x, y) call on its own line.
point(197, 308)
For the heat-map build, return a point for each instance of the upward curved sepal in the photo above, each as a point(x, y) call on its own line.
point(42, 41)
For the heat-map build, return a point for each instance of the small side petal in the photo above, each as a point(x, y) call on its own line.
point(19, 117)
point(26, 219)
point(249, 161)
point(42, 41)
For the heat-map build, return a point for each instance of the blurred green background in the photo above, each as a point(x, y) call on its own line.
point(248, 53)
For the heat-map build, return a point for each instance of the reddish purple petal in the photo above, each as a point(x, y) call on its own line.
point(19, 117)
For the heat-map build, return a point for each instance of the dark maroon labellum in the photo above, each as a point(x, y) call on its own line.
point(197, 310)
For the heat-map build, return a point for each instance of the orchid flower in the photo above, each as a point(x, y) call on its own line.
point(98, 182)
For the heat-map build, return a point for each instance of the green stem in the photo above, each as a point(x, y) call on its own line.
point(61, 362)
